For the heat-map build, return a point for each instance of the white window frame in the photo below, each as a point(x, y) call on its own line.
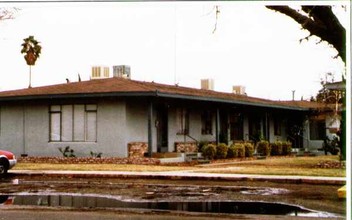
point(76, 130)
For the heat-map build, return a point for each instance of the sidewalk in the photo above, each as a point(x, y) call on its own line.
point(186, 175)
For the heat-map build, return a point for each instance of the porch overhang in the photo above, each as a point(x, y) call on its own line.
point(229, 101)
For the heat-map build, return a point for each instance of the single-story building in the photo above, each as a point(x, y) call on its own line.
point(108, 115)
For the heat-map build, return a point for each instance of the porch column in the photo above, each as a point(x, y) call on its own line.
point(217, 126)
point(150, 129)
point(267, 127)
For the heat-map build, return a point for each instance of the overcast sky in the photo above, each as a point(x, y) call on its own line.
point(169, 43)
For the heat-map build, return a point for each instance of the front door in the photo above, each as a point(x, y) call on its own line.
point(255, 127)
point(162, 128)
point(236, 126)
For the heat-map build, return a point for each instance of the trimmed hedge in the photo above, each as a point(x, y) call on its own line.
point(286, 148)
point(231, 152)
point(209, 151)
point(221, 151)
point(237, 150)
point(263, 148)
point(201, 144)
point(249, 149)
point(276, 148)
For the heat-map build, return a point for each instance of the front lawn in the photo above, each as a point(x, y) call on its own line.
point(300, 166)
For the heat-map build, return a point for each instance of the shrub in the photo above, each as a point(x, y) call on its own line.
point(231, 152)
point(286, 148)
point(240, 150)
point(237, 150)
point(263, 148)
point(96, 155)
point(249, 149)
point(221, 151)
point(209, 151)
point(276, 148)
point(67, 152)
point(201, 144)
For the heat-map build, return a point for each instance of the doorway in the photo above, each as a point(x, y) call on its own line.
point(161, 125)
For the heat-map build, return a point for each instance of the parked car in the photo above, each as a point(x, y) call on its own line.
point(6, 200)
point(7, 161)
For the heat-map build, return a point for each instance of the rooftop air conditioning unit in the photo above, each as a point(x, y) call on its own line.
point(239, 90)
point(100, 72)
point(122, 71)
point(207, 84)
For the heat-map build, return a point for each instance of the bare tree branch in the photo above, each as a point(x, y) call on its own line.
point(6, 14)
point(321, 22)
point(217, 12)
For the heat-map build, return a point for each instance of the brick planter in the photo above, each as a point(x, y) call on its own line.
point(137, 149)
point(186, 147)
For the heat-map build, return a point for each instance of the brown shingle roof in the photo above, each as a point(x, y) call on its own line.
point(120, 86)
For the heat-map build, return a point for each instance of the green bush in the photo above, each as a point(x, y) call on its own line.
point(249, 149)
point(221, 151)
point(276, 148)
point(237, 150)
point(201, 144)
point(231, 152)
point(209, 151)
point(263, 148)
point(96, 155)
point(240, 150)
point(67, 152)
point(286, 148)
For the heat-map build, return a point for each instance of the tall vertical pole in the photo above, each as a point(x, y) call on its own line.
point(150, 129)
point(24, 128)
point(217, 126)
point(30, 76)
point(267, 127)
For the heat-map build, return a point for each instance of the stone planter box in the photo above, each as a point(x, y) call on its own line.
point(137, 149)
point(186, 147)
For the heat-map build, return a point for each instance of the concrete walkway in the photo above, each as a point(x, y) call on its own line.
point(186, 175)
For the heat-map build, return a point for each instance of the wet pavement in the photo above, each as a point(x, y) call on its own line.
point(223, 207)
point(53, 188)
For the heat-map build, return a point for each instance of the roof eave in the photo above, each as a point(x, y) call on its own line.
point(230, 101)
point(148, 94)
point(75, 95)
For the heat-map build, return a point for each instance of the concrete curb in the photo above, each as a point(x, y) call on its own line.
point(184, 175)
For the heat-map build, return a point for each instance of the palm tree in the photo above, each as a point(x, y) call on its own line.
point(32, 50)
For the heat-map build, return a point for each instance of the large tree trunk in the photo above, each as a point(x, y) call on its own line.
point(321, 22)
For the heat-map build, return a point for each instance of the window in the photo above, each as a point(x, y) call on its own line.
point(183, 121)
point(207, 125)
point(73, 123)
point(317, 129)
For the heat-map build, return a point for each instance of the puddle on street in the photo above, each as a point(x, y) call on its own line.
point(97, 201)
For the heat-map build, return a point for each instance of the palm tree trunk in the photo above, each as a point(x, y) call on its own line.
point(30, 76)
